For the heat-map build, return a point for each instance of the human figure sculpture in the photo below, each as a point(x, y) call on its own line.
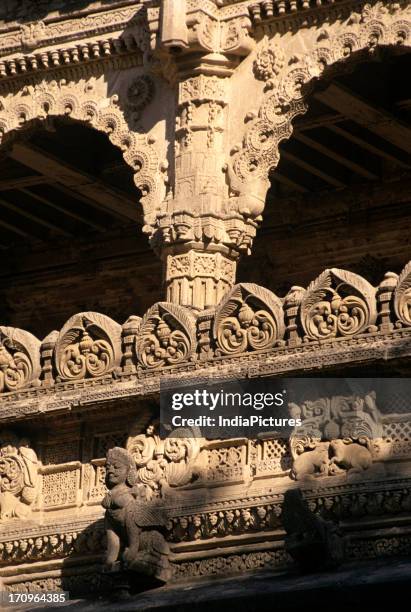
point(133, 525)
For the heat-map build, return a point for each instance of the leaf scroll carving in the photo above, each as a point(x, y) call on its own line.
point(167, 336)
point(19, 359)
point(338, 304)
point(88, 346)
point(250, 318)
point(402, 296)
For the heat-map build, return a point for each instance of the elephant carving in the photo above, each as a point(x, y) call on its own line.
point(351, 456)
point(312, 463)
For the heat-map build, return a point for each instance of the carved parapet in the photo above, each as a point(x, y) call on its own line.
point(167, 336)
point(19, 359)
point(338, 310)
point(88, 346)
point(19, 478)
point(250, 318)
point(338, 303)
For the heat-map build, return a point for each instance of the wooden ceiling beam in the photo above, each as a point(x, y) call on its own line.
point(112, 200)
point(24, 181)
point(20, 210)
point(340, 159)
point(374, 119)
point(65, 211)
point(312, 169)
point(285, 180)
point(367, 145)
point(16, 230)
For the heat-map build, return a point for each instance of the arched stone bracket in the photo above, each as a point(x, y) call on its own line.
point(289, 71)
point(85, 97)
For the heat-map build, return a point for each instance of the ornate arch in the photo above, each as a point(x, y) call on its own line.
point(83, 100)
point(289, 79)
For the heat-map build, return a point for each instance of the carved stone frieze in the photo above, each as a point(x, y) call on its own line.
point(19, 477)
point(337, 436)
point(89, 345)
point(167, 336)
point(338, 318)
point(249, 318)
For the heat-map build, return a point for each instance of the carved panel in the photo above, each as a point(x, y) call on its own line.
point(60, 488)
point(336, 436)
point(161, 464)
point(89, 345)
point(249, 318)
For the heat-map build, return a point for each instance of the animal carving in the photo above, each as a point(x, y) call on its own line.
point(312, 463)
point(352, 456)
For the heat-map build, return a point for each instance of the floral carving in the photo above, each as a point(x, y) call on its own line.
point(338, 303)
point(167, 336)
point(89, 345)
point(162, 464)
point(19, 359)
point(402, 296)
point(18, 476)
point(140, 93)
point(250, 318)
point(269, 62)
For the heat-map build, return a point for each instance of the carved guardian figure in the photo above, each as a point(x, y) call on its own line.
point(133, 526)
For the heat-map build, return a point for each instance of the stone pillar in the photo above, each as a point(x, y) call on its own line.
point(200, 232)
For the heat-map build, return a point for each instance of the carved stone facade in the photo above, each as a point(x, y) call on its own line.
point(200, 96)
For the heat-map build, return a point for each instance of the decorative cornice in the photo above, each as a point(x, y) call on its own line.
point(340, 318)
point(129, 19)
